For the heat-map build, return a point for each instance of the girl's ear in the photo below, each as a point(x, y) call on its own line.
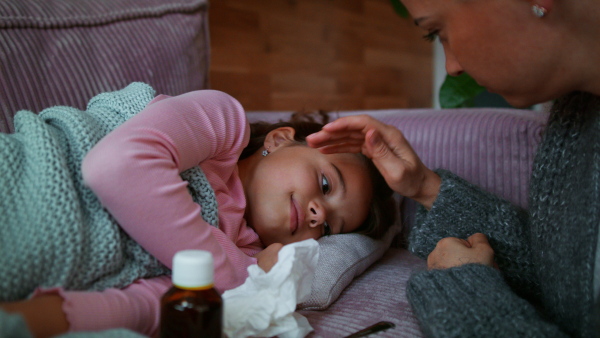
point(278, 137)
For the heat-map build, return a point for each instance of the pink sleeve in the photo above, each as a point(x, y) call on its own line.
point(136, 307)
point(135, 170)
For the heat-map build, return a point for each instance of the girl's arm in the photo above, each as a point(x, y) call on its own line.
point(136, 307)
point(56, 311)
point(43, 316)
point(135, 170)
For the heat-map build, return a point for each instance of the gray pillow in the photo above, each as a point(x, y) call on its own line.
point(341, 259)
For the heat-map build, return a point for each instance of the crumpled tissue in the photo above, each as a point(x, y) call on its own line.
point(265, 305)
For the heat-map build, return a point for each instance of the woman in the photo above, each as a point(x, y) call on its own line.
point(495, 270)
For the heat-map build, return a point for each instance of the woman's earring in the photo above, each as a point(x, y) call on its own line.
point(539, 11)
point(265, 152)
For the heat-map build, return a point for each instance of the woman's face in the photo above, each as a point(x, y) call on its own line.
point(500, 43)
point(297, 193)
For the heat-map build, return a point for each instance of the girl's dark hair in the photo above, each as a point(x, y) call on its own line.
point(383, 210)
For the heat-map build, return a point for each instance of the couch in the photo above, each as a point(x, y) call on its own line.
point(65, 52)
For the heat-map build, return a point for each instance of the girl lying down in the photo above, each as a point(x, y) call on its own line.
point(95, 204)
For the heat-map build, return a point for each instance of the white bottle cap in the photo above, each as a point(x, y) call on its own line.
point(192, 269)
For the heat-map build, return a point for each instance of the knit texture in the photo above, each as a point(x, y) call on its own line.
point(546, 256)
point(54, 231)
point(473, 301)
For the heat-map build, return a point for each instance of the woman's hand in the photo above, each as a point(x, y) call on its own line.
point(386, 146)
point(267, 258)
point(451, 252)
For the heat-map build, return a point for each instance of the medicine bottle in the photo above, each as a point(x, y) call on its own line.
point(192, 307)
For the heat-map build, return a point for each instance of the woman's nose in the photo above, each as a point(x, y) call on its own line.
point(453, 68)
point(316, 214)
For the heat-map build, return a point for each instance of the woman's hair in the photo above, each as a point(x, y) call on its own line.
point(382, 211)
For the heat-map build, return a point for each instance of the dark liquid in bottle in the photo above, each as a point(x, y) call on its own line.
point(191, 313)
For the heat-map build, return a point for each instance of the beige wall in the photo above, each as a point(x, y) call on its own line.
point(318, 54)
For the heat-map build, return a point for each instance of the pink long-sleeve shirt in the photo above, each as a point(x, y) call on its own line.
point(135, 170)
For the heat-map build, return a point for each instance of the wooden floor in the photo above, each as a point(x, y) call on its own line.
point(318, 54)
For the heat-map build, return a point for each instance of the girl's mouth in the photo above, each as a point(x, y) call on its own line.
point(294, 215)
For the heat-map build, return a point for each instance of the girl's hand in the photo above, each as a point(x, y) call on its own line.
point(44, 315)
point(451, 252)
point(386, 146)
point(267, 258)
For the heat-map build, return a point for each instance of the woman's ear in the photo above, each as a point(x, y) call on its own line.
point(278, 137)
point(542, 5)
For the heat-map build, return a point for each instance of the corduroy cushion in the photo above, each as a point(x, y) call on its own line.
point(341, 259)
point(490, 147)
point(63, 52)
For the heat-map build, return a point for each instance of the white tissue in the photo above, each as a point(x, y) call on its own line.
point(265, 305)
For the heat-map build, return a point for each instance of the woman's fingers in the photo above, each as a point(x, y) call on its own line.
point(381, 153)
point(451, 252)
point(325, 138)
point(343, 130)
point(355, 122)
point(478, 240)
point(342, 148)
point(387, 147)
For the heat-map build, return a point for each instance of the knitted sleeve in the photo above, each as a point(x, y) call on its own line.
point(473, 301)
point(135, 172)
point(462, 209)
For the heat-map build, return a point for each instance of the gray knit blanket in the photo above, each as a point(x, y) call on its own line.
point(53, 229)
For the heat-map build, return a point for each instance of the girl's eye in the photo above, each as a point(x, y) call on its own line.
point(326, 229)
point(431, 36)
point(325, 185)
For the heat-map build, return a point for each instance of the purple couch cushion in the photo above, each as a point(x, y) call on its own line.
point(490, 147)
point(65, 52)
point(376, 295)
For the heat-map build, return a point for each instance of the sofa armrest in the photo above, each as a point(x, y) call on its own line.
point(65, 52)
point(490, 147)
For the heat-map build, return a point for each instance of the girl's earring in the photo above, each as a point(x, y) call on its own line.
point(265, 152)
point(539, 11)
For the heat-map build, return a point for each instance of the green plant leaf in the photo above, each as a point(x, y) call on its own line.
point(399, 8)
point(459, 91)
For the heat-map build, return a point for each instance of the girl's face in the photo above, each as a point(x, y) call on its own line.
point(500, 43)
point(296, 193)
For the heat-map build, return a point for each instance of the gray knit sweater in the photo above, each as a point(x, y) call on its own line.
point(546, 255)
point(53, 229)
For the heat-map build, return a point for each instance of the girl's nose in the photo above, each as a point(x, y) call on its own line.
point(316, 214)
